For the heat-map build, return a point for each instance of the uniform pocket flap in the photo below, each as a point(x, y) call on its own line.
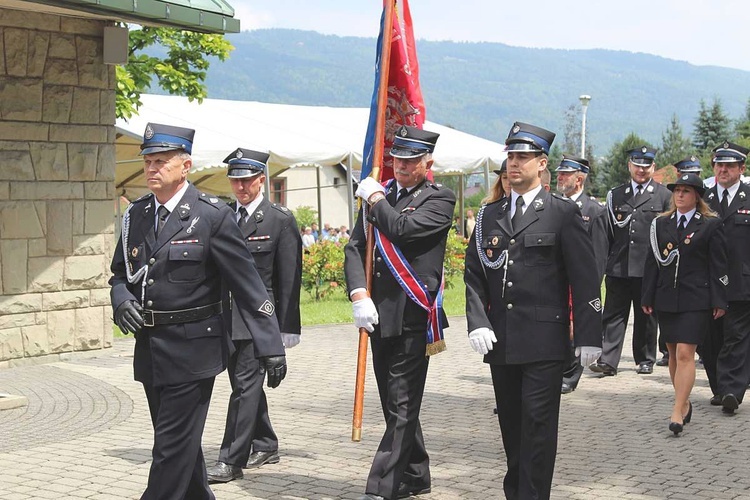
point(211, 327)
point(742, 219)
point(186, 251)
point(539, 240)
point(551, 314)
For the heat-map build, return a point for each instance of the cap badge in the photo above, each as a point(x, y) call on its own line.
point(239, 154)
point(685, 177)
point(644, 149)
point(403, 132)
point(693, 158)
point(149, 132)
point(516, 129)
point(726, 145)
point(134, 252)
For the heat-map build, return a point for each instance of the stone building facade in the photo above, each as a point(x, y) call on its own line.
point(57, 170)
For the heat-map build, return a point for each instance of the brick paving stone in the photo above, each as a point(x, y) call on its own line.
point(87, 428)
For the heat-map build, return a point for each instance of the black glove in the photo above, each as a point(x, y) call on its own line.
point(128, 317)
point(275, 366)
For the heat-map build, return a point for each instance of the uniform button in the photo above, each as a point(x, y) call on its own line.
point(151, 260)
point(539, 240)
point(510, 262)
point(509, 306)
point(377, 274)
point(510, 284)
point(632, 242)
point(379, 259)
point(208, 329)
point(512, 241)
point(635, 210)
point(150, 303)
point(632, 231)
point(557, 316)
point(184, 254)
point(258, 247)
point(151, 281)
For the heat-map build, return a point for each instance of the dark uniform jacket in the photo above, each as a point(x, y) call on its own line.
point(736, 223)
point(418, 225)
point(199, 246)
point(547, 253)
point(595, 219)
point(272, 236)
point(629, 244)
point(702, 267)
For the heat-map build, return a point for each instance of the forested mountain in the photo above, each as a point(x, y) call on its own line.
point(482, 88)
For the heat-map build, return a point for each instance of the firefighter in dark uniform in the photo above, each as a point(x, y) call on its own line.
point(631, 207)
point(571, 179)
point(725, 354)
point(529, 253)
point(176, 247)
point(270, 232)
point(415, 215)
point(684, 280)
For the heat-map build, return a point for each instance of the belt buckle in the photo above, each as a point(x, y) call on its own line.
point(148, 318)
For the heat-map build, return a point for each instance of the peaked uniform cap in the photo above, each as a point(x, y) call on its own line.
point(688, 165)
point(158, 138)
point(503, 167)
point(571, 163)
point(529, 138)
point(642, 156)
point(411, 142)
point(244, 163)
point(728, 152)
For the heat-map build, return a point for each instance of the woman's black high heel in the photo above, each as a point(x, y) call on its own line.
point(686, 418)
point(675, 427)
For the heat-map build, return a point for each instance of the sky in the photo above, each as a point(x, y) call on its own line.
point(701, 32)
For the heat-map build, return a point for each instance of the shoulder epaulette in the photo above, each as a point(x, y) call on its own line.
point(210, 200)
point(282, 209)
point(145, 196)
point(561, 197)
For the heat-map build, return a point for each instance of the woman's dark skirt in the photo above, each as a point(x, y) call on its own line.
point(685, 327)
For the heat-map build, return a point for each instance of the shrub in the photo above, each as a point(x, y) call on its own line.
point(455, 254)
point(323, 269)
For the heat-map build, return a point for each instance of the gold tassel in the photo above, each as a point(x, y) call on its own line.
point(435, 348)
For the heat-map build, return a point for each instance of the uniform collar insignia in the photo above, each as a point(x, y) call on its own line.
point(184, 210)
point(579, 203)
point(538, 203)
point(650, 188)
point(697, 215)
point(742, 195)
point(192, 225)
point(258, 215)
point(711, 196)
point(627, 190)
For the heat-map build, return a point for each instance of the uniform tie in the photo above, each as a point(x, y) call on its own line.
point(242, 221)
point(725, 202)
point(162, 213)
point(401, 193)
point(516, 220)
point(638, 191)
point(681, 225)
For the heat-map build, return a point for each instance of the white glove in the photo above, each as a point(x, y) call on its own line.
point(365, 314)
point(482, 340)
point(367, 187)
point(588, 354)
point(290, 339)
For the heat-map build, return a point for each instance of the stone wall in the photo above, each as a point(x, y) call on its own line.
point(57, 170)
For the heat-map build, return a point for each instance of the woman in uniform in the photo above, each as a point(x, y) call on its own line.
point(685, 282)
point(500, 188)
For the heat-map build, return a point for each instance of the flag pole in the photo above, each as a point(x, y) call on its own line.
point(385, 57)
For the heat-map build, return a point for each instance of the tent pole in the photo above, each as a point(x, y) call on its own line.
point(320, 205)
point(486, 176)
point(460, 229)
point(349, 191)
point(267, 185)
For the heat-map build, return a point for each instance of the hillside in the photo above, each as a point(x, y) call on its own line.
point(482, 88)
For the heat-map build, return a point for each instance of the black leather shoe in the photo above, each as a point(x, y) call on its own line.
point(567, 388)
point(370, 496)
point(664, 361)
point(223, 473)
point(258, 458)
point(645, 369)
point(675, 427)
point(729, 403)
point(716, 400)
point(407, 490)
point(603, 368)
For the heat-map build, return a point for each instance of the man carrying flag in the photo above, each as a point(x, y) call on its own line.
point(411, 218)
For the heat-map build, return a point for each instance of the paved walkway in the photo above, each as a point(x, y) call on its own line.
point(86, 431)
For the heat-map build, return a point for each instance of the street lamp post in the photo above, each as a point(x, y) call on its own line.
point(585, 104)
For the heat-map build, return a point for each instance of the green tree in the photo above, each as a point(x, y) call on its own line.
point(711, 127)
point(306, 216)
point(181, 71)
point(614, 167)
point(674, 145)
point(742, 127)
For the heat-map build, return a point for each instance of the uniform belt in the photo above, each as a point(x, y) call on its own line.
point(153, 318)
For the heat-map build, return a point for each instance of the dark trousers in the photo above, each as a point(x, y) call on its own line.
point(247, 415)
point(621, 293)
point(400, 367)
point(178, 413)
point(573, 369)
point(709, 352)
point(528, 408)
point(732, 365)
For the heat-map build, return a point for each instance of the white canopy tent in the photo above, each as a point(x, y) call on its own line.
point(293, 135)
